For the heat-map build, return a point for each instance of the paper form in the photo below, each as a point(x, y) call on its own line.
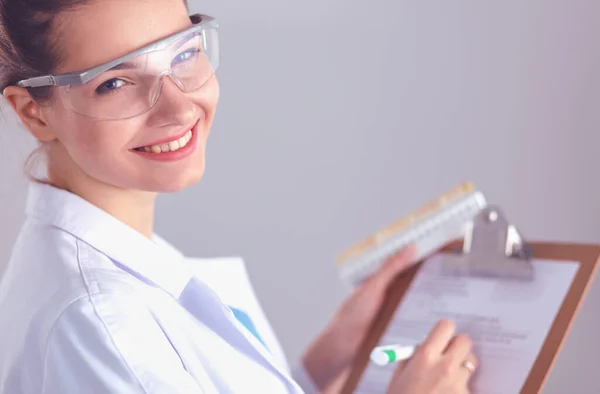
point(508, 321)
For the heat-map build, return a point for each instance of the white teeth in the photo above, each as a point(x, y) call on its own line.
point(170, 146)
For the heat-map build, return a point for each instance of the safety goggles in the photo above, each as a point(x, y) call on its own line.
point(130, 85)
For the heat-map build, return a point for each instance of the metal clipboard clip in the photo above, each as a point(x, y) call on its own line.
point(492, 248)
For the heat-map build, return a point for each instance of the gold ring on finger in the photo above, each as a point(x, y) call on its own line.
point(469, 365)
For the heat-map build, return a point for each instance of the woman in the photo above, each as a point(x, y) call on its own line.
point(121, 95)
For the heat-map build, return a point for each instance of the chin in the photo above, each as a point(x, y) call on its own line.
point(178, 183)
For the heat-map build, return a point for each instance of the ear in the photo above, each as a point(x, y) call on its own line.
point(29, 112)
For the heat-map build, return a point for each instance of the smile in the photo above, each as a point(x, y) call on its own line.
point(169, 146)
point(174, 149)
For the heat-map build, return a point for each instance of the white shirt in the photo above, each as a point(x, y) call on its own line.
point(88, 305)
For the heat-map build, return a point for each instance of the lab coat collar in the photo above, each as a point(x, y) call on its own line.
point(154, 260)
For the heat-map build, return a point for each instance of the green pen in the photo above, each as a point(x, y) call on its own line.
point(388, 354)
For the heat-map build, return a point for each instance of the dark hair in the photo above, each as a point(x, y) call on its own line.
point(28, 47)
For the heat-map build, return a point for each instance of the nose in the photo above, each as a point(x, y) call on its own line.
point(173, 106)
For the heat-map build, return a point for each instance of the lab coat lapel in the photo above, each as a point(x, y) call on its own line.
point(205, 306)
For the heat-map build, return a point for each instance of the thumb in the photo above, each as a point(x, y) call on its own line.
point(400, 367)
point(396, 383)
point(395, 264)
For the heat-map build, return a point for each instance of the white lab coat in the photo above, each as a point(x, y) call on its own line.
point(88, 305)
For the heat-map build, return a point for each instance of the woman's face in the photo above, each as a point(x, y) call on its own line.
point(124, 153)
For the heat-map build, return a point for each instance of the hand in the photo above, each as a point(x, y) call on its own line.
point(437, 366)
point(333, 352)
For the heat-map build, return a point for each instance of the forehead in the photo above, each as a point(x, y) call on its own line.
point(106, 29)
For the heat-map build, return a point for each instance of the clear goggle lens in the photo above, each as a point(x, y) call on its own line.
point(132, 87)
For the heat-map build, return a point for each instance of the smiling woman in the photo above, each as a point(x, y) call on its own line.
point(148, 91)
point(121, 95)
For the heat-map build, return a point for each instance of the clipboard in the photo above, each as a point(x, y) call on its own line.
point(492, 246)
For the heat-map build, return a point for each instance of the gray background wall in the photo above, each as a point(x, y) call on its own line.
point(339, 116)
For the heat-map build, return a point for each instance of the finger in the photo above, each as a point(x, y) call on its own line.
point(390, 269)
point(400, 366)
point(468, 367)
point(438, 338)
point(396, 263)
point(459, 348)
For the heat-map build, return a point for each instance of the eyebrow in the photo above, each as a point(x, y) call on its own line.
point(124, 66)
point(128, 65)
point(185, 40)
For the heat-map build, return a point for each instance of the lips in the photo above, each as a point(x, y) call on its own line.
point(182, 149)
point(169, 144)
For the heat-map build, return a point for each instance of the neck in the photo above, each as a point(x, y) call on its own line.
point(135, 208)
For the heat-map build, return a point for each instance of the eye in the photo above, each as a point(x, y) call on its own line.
point(110, 86)
point(185, 56)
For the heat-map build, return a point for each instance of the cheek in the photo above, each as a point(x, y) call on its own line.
point(95, 142)
point(95, 146)
point(207, 98)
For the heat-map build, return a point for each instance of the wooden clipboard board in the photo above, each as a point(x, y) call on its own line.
point(588, 255)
